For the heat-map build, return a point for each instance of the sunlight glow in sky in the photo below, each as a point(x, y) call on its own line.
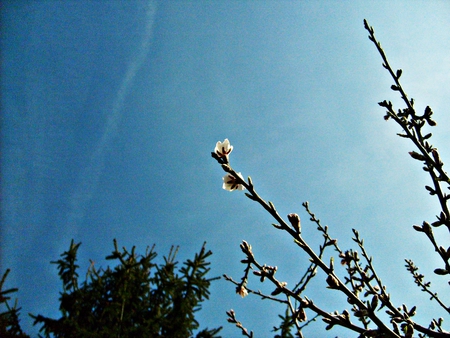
point(110, 110)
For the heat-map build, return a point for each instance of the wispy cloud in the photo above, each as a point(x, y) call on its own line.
point(89, 176)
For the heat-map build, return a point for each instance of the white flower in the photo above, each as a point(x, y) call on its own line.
point(230, 182)
point(223, 149)
point(241, 291)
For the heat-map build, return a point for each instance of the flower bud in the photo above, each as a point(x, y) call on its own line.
point(294, 219)
point(301, 315)
point(333, 282)
point(241, 291)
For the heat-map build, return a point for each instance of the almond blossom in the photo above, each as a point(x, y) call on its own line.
point(241, 291)
point(223, 149)
point(231, 183)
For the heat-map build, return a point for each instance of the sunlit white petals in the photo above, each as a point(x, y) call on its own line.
point(223, 149)
point(241, 291)
point(231, 183)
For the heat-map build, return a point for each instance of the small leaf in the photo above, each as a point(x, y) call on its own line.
point(418, 228)
point(399, 73)
point(250, 196)
point(417, 156)
point(277, 291)
point(331, 242)
point(437, 224)
point(394, 87)
point(397, 319)
point(441, 272)
point(431, 122)
point(431, 190)
point(374, 303)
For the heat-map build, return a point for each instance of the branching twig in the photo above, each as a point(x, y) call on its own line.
point(425, 286)
point(360, 277)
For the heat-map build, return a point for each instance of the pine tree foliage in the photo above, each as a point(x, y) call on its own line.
point(9, 319)
point(134, 298)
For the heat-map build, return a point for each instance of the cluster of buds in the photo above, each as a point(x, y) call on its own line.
point(265, 272)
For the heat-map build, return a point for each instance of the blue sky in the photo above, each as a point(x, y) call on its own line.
point(110, 110)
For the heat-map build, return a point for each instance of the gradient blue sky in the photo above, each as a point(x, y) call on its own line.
point(110, 110)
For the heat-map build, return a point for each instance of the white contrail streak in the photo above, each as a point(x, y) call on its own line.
point(89, 177)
